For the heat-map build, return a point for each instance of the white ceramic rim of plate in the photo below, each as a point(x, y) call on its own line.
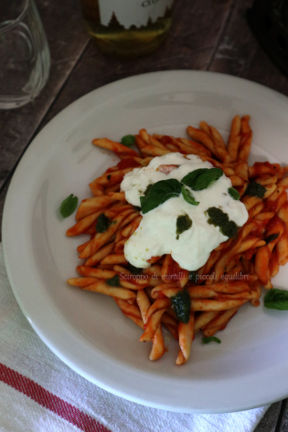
point(109, 378)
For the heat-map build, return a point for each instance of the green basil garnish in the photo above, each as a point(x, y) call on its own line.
point(181, 306)
point(191, 177)
point(128, 140)
point(255, 189)
point(103, 223)
point(276, 298)
point(218, 218)
point(183, 223)
point(208, 339)
point(271, 237)
point(158, 193)
point(234, 193)
point(114, 281)
point(202, 178)
point(187, 195)
point(134, 270)
point(193, 277)
point(68, 205)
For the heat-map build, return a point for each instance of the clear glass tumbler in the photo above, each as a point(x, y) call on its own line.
point(24, 53)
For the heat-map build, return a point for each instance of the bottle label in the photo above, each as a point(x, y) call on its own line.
point(132, 12)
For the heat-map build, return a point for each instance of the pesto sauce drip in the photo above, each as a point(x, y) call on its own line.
point(218, 218)
point(229, 229)
point(183, 223)
point(102, 223)
point(255, 189)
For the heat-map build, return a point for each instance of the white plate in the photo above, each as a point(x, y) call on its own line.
point(86, 330)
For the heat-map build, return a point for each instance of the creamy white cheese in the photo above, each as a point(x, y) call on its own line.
point(156, 234)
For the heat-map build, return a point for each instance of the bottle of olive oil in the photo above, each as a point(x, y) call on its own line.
point(128, 28)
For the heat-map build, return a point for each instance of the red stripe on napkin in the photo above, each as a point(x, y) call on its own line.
point(50, 401)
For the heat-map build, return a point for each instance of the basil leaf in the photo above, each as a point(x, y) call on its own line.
point(234, 193)
point(208, 339)
point(218, 218)
point(255, 189)
point(271, 237)
point(103, 223)
point(158, 193)
point(114, 281)
point(134, 270)
point(68, 205)
point(128, 140)
point(193, 277)
point(183, 223)
point(190, 178)
point(181, 306)
point(276, 298)
point(187, 195)
point(202, 178)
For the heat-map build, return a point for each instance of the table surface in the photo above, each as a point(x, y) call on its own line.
point(206, 35)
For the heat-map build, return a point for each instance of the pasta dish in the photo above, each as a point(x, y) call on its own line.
point(183, 232)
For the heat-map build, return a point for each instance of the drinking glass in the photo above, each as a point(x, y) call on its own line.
point(24, 53)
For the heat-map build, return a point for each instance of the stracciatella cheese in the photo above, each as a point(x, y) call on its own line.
point(157, 232)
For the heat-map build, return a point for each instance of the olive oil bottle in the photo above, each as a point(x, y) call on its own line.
point(128, 28)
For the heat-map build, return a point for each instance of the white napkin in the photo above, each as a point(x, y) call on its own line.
point(40, 393)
